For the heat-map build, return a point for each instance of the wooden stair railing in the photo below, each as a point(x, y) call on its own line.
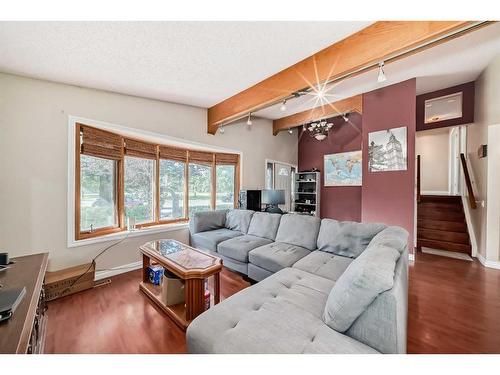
point(468, 183)
point(418, 179)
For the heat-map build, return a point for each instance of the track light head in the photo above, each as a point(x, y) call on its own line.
point(221, 129)
point(290, 131)
point(283, 106)
point(381, 74)
point(249, 120)
point(344, 116)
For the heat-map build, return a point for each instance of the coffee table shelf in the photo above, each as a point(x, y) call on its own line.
point(189, 264)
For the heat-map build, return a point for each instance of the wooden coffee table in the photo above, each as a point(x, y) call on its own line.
point(191, 265)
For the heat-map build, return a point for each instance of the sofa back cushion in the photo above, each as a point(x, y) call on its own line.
point(395, 237)
point(264, 225)
point(239, 220)
point(299, 230)
point(369, 275)
point(206, 220)
point(346, 238)
point(383, 325)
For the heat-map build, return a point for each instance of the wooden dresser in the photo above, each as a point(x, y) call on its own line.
point(24, 332)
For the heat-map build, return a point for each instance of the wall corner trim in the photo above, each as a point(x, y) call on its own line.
point(488, 263)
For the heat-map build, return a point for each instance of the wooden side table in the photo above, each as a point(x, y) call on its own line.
point(189, 264)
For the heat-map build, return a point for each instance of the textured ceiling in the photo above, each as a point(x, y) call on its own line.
point(195, 63)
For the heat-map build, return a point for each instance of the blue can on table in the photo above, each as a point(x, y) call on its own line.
point(155, 273)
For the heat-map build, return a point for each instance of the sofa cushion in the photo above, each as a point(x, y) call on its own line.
point(276, 255)
point(209, 240)
point(364, 279)
point(346, 238)
point(264, 225)
point(395, 237)
point(239, 220)
point(281, 314)
point(323, 264)
point(238, 247)
point(206, 220)
point(300, 230)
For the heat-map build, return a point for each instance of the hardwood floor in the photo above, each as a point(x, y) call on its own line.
point(118, 318)
point(454, 307)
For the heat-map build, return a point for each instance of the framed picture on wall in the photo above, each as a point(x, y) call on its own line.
point(387, 150)
point(343, 169)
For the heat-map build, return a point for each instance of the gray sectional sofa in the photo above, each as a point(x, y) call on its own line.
point(324, 286)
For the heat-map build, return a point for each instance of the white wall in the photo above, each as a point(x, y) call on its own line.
point(433, 148)
point(33, 159)
point(486, 113)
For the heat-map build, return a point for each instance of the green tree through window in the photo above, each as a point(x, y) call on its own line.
point(172, 181)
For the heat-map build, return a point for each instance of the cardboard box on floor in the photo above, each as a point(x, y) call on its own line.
point(69, 281)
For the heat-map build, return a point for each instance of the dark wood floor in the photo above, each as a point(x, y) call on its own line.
point(454, 307)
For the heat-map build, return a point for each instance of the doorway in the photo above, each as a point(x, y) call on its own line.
point(280, 176)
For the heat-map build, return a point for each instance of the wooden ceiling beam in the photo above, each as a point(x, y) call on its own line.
point(348, 105)
point(371, 45)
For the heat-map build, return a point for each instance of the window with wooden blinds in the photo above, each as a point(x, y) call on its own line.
point(172, 153)
point(101, 188)
point(201, 157)
point(100, 143)
point(140, 149)
point(228, 159)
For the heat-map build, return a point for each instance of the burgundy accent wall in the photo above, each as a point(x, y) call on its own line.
point(337, 202)
point(388, 197)
point(467, 90)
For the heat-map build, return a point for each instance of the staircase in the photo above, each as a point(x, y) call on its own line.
point(441, 224)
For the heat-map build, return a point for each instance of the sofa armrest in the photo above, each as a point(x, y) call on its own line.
point(207, 220)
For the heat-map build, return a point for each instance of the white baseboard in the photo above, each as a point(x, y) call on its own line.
point(435, 192)
point(411, 257)
point(99, 275)
point(488, 263)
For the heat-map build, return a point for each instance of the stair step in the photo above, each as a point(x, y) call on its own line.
point(451, 226)
point(432, 234)
point(440, 206)
point(441, 198)
point(444, 245)
point(441, 215)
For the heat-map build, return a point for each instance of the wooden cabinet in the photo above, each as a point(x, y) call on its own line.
point(24, 332)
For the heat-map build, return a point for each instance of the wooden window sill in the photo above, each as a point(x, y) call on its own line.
point(144, 231)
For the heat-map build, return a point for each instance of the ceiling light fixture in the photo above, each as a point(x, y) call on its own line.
point(290, 131)
point(381, 75)
point(249, 121)
point(283, 106)
point(319, 130)
point(221, 129)
point(344, 116)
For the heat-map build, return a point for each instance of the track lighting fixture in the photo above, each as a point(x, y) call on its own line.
point(221, 129)
point(290, 131)
point(249, 121)
point(344, 116)
point(381, 75)
point(283, 106)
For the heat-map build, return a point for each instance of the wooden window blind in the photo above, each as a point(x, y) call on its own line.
point(100, 143)
point(201, 157)
point(140, 149)
point(172, 153)
point(227, 159)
